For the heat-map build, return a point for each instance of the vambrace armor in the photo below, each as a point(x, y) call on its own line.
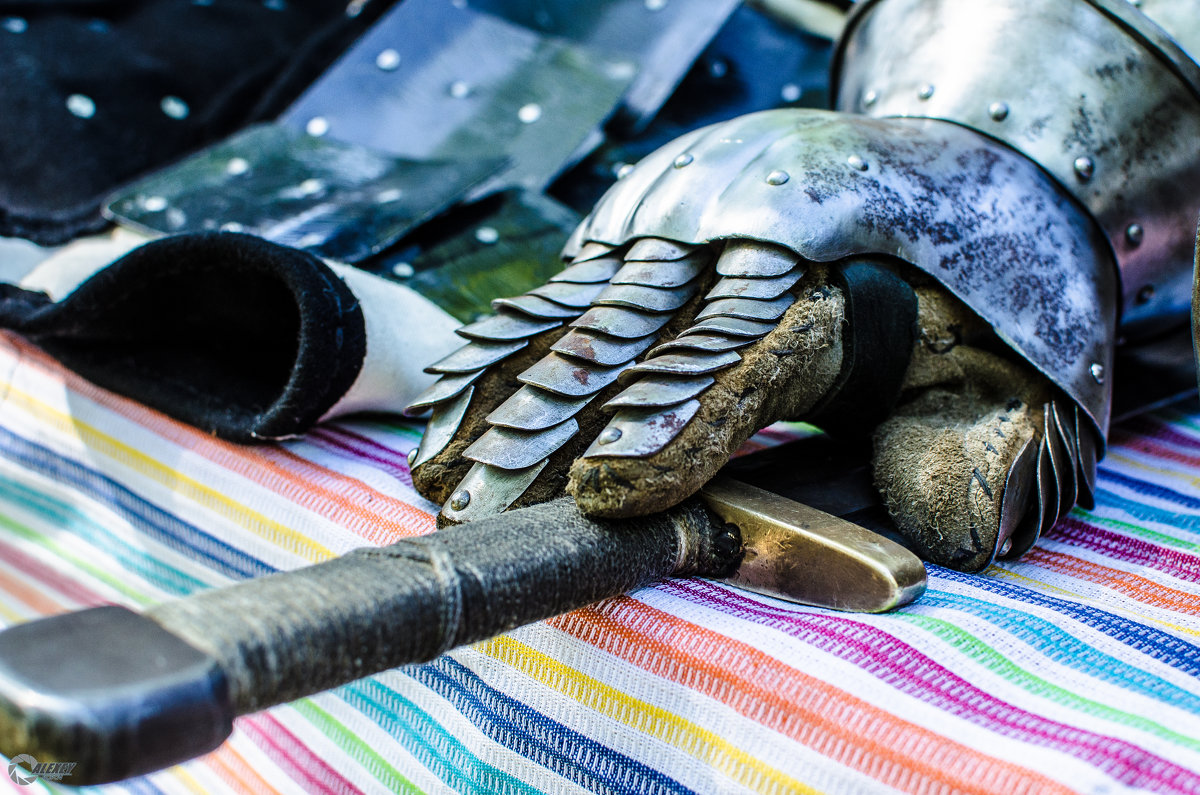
point(1035, 160)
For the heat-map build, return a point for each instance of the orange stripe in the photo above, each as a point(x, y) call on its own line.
point(36, 600)
point(270, 466)
point(232, 768)
point(1145, 591)
point(832, 722)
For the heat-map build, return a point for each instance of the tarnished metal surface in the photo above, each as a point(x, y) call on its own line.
point(654, 249)
point(980, 218)
point(660, 391)
point(651, 299)
point(1089, 89)
point(589, 271)
point(734, 327)
point(620, 322)
point(491, 491)
point(573, 296)
point(532, 409)
point(637, 433)
point(675, 273)
point(594, 250)
point(1087, 454)
point(535, 307)
point(758, 260)
point(469, 86)
point(506, 326)
point(508, 448)
point(747, 308)
point(760, 289)
point(475, 356)
point(685, 363)
point(1019, 499)
point(445, 388)
point(600, 349)
point(795, 552)
point(335, 199)
point(1061, 464)
point(442, 426)
point(712, 343)
point(568, 377)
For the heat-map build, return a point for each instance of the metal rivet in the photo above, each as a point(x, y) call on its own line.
point(275, 5)
point(1134, 234)
point(1084, 168)
point(624, 170)
point(403, 270)
point(154, 204)
point(1097, 371)
point(237, 165)
point(81, 105)
point(460, 89)
point(389, 195)
point(925, 91)
point(656, 5)
point(311, 187)
point(998, 111)
point(388, 60)
point(176, 218)
point(857, 163)
point(174, 107)
point(608, 436)
point(16, 25)
point(778, 177)
point(530, 113)
point(1006, 547)
point(790, 92)
point(684, 159)
point(487, 235)
point(232, 226)
point(460, 500)
point(317, 126)
point(204, 3)
point(718, 68)
point(310, 240)
point(870, 98)
point(98, 26)
point(1145, 294)
point(412, 455)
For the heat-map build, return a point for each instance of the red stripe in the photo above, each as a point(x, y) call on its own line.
point(293, 757)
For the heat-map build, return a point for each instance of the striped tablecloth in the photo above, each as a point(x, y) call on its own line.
point(1072, 670)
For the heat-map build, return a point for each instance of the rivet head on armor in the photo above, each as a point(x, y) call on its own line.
point(388, 60)
point(459, 89)
point(683, 160)
point(460, 499)
point(1145, 294)
point(1084, 168)
point(998, 111)
point(1097, 371)
point(403, 270)
point(778, 177)
point(174, 107)
point(317, 126)
point(15, 25)
point(237, 166)
point(790, 92)
point(624, 170)
point(487, 235)
point(529, 113)
point(656, 5)
point(608, 436)
point(925, 91)
point(870, 98)
point(412, 455)
point(154, 204)
point(1133, 234)
point(81, 105)
point(857, 163)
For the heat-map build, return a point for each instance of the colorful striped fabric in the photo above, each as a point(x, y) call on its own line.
point(1075, 669)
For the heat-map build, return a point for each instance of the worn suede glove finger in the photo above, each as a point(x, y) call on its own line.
point(539, 370)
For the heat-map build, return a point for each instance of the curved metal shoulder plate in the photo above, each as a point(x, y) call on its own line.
point(970, 212)
point(1091, 90)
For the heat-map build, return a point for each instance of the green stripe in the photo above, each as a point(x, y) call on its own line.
point(991, 659)
point(354, 747)
point(1135, 530)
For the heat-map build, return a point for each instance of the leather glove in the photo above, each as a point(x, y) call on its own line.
point(698, 308)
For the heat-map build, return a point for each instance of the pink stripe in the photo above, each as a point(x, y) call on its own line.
point(301, 764)
point(918, 675)
point(1142, 427)
point(361, 448)
point(54, 580)
point(1181, 565)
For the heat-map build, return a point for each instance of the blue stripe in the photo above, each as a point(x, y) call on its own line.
point(1059, 645)
point(574, 756)
point(1155, 643)
point(167, 529)
point(1151, 490)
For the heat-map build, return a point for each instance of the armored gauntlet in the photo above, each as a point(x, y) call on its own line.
point(948, 268)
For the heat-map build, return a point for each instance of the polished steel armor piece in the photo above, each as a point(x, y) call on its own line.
point(1033, 265)
point(1093, 91)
